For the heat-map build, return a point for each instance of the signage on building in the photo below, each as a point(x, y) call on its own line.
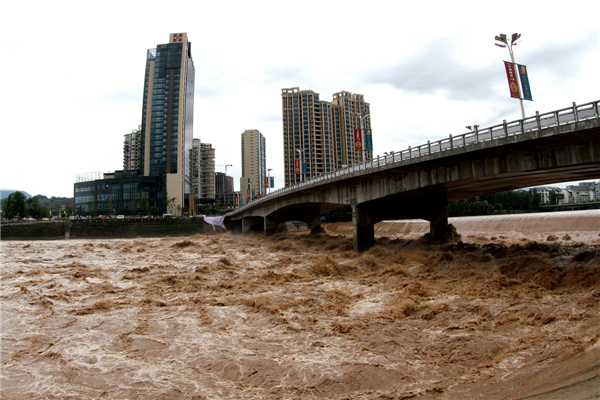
point(524, 82)
point(177, 37)
point(512, 80)
point(358, 142)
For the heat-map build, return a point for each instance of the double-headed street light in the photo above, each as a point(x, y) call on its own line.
point(301, 152)
point(362, 116)
point(513, 42)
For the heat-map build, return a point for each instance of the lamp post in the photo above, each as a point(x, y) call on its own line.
point(269, 180)
point(513, 42)
point(361, 116)
point(300, 152)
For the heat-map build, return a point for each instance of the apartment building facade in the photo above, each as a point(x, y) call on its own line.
point(254, 164)
point(318, 135)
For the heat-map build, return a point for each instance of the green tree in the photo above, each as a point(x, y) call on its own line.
point(154, 210)
point(553, 197)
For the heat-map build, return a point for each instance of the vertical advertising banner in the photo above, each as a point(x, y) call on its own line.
point(272, 183)
point(358, 142)
point(266, 182)
point(524, 82)
point(368, 140)
point(297, 166)
point(237, 201)
point(304, 167)
point(248, 192)
point(253, 193)
point(512, 80)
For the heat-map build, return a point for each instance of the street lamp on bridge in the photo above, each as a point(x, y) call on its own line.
point(513, 42)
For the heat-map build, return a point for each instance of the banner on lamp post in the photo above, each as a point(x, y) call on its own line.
point(272, 183)
point(297, 166)
point(304, 167)
point(358, 142)
point(524, 82)
point(266, 182)
point(368, 140)
point(512, 80)
point(248, 193)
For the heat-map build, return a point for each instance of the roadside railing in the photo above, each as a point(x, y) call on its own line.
point(576, 113)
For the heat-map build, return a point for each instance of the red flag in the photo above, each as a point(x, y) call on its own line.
point(358, 142)
point(266, 182)
point(248, 193)
point(512, 80)
point(297, 166)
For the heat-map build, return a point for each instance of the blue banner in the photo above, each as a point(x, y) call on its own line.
point(524, 82)
point(304, 167)
point(368, 140)
point(272, 183)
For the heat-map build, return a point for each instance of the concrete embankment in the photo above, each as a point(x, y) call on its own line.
point(101, 229)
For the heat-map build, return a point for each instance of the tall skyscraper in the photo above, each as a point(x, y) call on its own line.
point(167, 117)
point(203, 170)
point(254, 163)
point(320, 134)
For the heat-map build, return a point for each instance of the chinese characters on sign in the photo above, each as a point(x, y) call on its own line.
point(524, 82)
point(512, 80)
point(358, 142)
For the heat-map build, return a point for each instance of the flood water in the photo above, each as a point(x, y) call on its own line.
point(493, 314)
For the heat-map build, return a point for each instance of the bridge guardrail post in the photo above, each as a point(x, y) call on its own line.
point(409, 153)
point(537, 119)
point(476, 134)
point(556, 120)
point(575, 115)
point(451, 145)
point(428, 147)
point(522, 126)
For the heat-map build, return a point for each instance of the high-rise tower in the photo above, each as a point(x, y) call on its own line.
point(320, 134)
point(167, 117)
point(254, 163)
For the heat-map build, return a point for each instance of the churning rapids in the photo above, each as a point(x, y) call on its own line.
point(509, 309)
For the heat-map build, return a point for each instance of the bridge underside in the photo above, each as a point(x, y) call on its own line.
point(423, 189)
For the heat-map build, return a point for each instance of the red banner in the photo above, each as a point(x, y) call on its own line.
point(266, 182)
point(358, 142)
point(248, 193)
point(512, 80)
point(297, 166)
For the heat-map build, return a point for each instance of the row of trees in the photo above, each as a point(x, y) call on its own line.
point(497, 202)
point(16, 205)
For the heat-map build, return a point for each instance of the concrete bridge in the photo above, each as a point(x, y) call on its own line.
point(418, 182)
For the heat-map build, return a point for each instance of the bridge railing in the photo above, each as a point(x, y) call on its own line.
point(539, 121)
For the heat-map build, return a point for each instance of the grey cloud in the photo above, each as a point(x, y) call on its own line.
point(119, 97)
point(436, 69)
point(270, 117)
point(284, 75)
point(208, 92)
point(561, 59)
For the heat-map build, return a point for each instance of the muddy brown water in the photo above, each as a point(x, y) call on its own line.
point(497, 315)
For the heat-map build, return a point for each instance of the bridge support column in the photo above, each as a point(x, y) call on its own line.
point(235, 227)
point(314, 224)
point(437, 215)
point(271, 225)
point(363, 228)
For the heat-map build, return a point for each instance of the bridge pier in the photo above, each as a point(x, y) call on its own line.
point(251, 224)
point(314, 223)
point(271, 226)
point(363, 228)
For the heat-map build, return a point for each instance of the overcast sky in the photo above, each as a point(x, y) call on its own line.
point(73, 72)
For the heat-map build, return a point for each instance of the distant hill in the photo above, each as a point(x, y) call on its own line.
point(5, 193)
